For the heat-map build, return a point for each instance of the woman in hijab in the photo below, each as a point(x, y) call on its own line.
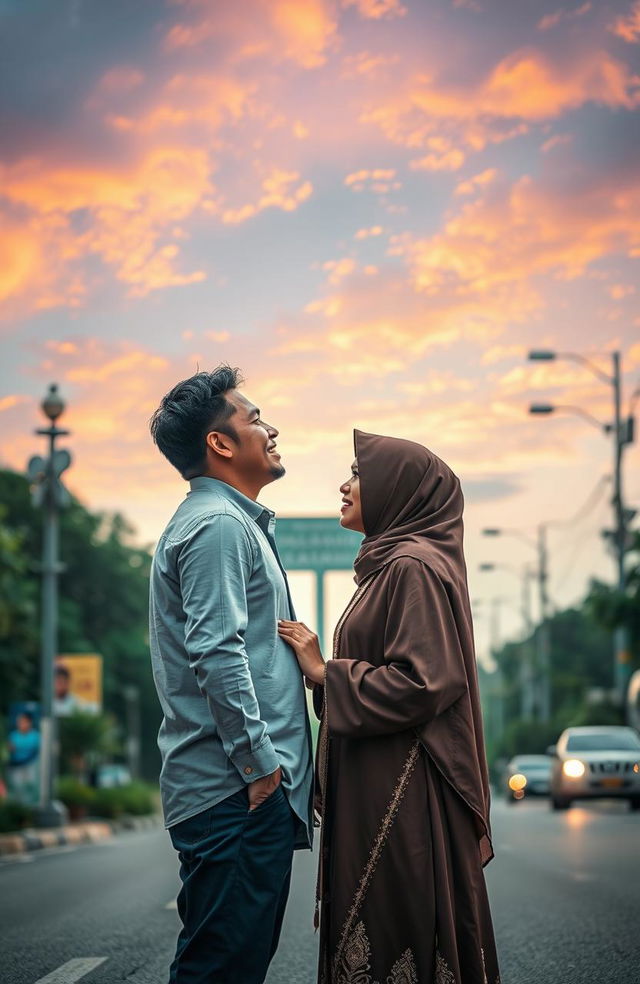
point(401, 763)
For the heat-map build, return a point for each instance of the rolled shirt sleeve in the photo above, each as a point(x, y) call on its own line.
point(216, 622)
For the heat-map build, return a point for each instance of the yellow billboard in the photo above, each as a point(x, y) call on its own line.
point(77, 684)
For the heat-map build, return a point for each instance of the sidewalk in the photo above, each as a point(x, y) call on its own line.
point(83, 832)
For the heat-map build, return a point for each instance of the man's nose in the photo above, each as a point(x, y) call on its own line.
point(272, 431)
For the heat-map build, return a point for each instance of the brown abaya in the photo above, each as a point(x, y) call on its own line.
point(401, 762)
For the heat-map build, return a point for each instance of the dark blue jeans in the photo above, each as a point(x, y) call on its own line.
point(235, 871)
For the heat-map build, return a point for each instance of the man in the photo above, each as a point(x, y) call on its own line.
point(236, 777)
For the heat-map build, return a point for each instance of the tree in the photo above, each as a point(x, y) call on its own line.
point(612, 608)
point(18, 616)
point(103, 604)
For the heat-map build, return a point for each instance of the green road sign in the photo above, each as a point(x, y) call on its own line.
point(316, 543)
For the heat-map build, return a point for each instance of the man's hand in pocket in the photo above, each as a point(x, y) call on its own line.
point(261, 789)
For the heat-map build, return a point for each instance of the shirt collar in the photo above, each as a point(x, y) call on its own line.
point(254, 509)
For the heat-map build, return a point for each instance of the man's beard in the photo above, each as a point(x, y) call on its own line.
point(277, 471)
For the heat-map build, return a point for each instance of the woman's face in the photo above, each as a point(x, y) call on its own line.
point(351, 512)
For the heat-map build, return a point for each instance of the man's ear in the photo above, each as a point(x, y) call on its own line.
point(220, 444)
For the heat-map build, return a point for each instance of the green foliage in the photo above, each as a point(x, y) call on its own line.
point(75, 793)
point(527, 738)
point(604, 713)
point(18, 614)
point(86, 738)
point(14, 816)
point(612, 608)
point(103, 605)
point(134, 799)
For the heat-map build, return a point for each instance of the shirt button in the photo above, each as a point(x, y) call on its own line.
point(248, 770)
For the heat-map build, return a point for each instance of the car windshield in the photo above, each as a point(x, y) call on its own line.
point(532, 766)
point(622, 741)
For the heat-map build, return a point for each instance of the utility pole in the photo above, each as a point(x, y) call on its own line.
point(623, 435)
point(544, 629)
point(49, 493)
point(542, 687)
point(527, 695)
point(494, 645)
point(622, 667)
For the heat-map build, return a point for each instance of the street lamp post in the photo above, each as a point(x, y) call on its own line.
point(623, 435)
point(527, 697)
point(49, 493)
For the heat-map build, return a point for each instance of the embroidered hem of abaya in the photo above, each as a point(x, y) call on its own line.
point(405, 900)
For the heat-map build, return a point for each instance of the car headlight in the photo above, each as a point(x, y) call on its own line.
point(636, 767)
point(573, 768)
point(517, 782)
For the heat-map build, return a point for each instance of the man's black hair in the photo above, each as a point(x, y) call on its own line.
point(192, 409)
point(61, 670)
point(26, 714)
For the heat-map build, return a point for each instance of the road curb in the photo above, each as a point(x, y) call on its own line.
point(86, 832)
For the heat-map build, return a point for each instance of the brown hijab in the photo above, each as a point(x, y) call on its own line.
point(412, 506)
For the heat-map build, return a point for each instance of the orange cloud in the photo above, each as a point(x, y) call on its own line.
point(443, 156)
point(278, 192)
point(301, 32)
point(380, 180)
point(368, 233)
point(552, 20)
point(339, 269)
point(618, 292)
point(376, 9)
point(628, 28)
point(481, 180)
point(525, 88)
point(522, 232)
point(130, 210)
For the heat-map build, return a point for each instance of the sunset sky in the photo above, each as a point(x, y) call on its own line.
point(374, 208)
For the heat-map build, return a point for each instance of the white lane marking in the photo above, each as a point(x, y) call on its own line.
point(17, 859)
point(72, 970)
point(172, 905)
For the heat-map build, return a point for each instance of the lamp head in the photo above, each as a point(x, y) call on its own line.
point(542, 355)
point(53, 405)
point(541, 408)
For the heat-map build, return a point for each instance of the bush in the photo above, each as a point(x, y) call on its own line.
point(135, 799)
point(14, 816)
point(74, 793)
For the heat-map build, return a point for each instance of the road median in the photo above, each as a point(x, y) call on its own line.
point(83, 832)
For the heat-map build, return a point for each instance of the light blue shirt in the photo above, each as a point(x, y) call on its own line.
point(231, 690)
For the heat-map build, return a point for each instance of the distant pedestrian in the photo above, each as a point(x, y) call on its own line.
point(237, 774)
point(23, 770)
point(405, 796)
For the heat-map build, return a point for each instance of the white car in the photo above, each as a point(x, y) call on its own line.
point(593, 763)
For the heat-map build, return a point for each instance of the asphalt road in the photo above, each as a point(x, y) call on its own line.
point(565, 892)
